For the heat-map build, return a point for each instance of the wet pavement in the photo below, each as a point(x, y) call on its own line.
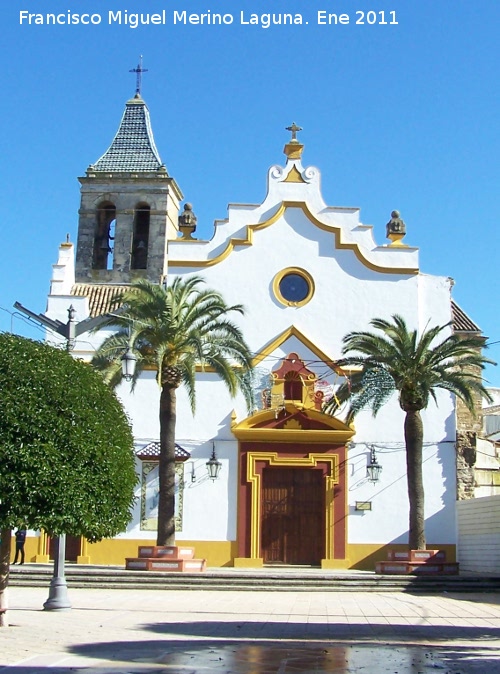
point(228, 632)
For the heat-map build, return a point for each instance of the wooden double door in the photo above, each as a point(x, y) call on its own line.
point(73, 548)
point(293, 516)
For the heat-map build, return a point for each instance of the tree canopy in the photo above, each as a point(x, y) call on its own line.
point(397, 359)
point(66, 446)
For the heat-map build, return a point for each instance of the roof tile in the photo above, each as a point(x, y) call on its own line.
point(152, 451)
point(101, 296)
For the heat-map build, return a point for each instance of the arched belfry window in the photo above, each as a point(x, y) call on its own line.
point(104, 234)
point(293, 386)
point(140, 239)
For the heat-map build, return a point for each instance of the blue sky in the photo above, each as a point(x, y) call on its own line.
point(395, 116)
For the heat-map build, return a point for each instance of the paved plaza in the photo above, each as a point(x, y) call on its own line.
point(229, 632)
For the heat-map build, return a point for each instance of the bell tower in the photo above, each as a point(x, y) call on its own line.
point(129, 206)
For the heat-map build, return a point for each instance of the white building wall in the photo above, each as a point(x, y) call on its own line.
point(352, 286)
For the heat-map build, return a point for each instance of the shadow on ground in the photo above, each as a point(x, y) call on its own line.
point(313, 631)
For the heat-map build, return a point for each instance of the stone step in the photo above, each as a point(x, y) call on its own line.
point(247, 580)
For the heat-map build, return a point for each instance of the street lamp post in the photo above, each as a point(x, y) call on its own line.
point(58, 591)
point(129, 360)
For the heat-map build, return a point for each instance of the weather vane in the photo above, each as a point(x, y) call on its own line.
point(138, 71)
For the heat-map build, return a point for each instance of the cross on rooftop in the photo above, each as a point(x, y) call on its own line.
point(294, 128)
point(139, 70)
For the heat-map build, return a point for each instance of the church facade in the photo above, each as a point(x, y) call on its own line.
point(293, 486)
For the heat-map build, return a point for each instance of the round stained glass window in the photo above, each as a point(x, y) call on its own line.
point(293, 287)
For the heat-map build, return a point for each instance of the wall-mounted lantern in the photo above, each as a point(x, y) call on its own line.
point(373, 469)
point(213, 465)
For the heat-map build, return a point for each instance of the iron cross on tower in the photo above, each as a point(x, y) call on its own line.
point(138, 71)
point(294, 129)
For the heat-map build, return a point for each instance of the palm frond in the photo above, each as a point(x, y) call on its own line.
point(183, 325)
point(397, 358)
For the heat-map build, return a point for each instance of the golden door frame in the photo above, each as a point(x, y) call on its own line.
point(274, 459)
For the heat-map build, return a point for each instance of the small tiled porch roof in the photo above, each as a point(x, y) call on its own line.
point(152, 451)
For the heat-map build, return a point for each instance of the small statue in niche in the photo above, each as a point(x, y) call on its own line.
point(395, 229)
point(187, 222)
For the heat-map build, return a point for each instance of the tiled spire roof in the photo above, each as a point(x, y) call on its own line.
point(133, 148)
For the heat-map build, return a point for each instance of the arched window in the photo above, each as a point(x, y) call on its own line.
point(293, 386)
point(140, 239)
point(104, 234)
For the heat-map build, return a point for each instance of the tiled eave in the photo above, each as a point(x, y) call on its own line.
point(102, 297)
point(462, 322)
point(151, 452)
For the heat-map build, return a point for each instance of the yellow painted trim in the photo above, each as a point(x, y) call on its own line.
point(83, 557)
point(42, 554)
point(311, 461)
point(293, 149)
point(334, 563)
point(248, 563)
point(224, 553)
point(338, 433)
point(299, 272)
point(292, 331)
point(303, 206)
point(294, 176)
point(292, 435)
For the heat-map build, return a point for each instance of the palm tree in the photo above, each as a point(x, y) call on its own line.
point(175, 330)
point(397, 359)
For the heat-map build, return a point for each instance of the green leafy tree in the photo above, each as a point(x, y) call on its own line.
point(66, 447)
point(175, 330)
point(398, 359)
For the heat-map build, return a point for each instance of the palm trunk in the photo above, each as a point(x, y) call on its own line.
point(5, 546)
point(414, 437)
point(166, 502)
